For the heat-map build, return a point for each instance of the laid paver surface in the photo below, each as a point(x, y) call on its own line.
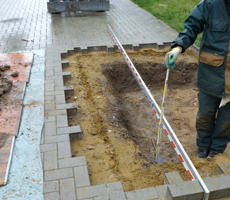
point(26, 25)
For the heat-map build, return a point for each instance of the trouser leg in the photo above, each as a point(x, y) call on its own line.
point(221, 132)
point(205, 120)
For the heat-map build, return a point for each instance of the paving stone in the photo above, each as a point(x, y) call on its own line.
point(65, 63)
point(92, 191)
point(49, 98)
point(69, 130)
point(57, 77)
point(50, 128)
point(55, 112)
point(59, 82)
point(116, 191)
point(223, 168)
point(49, 87)
point(70, 52)
point(185, 190)
point(58, 174)
point(66, 87)
point(51, 196)
point(50, 160)
point(67, 189)
point(64, 55)
point(48, 147)
point(102, 198)
point(48, 81)
point(56, 92)
point(172, 178)
point(58, 68)
point(49, 119)
point(56, 138)
point(66, 106)
point(219, 187)
point(81, 177)
point(49, 105)
point(72, 162)
point(145, 194)
point(49, 72)
point(60, 99)
point(66, 74)
point(162, 191)
point(62, 121)
point(50, 186)
point(64, 150)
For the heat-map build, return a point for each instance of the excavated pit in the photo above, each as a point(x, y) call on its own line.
point(118, 124)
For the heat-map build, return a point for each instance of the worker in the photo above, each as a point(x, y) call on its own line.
point(213, 80)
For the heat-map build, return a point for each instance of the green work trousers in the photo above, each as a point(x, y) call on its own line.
point(212, 123)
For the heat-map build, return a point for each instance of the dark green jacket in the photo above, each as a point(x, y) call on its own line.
point(212, 17)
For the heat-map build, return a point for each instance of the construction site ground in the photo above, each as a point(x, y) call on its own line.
point(118, 123)
point(98, 125)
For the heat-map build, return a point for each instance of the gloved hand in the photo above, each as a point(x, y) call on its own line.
point(225, 100)
point(172, 56)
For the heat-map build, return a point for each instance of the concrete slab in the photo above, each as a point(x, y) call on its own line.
point(172, 178)
point(185, 191)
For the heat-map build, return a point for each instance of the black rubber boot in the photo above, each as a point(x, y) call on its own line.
point(202, 153)
point(212, 154)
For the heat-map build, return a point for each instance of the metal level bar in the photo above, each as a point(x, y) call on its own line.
point(9, 161)
point(193, 173)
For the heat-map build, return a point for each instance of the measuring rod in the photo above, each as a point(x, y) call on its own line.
point(193, 173)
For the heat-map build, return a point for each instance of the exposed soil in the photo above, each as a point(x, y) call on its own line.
point(5, 84)
point(118, 123)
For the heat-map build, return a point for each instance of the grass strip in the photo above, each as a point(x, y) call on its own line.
point(171, 12)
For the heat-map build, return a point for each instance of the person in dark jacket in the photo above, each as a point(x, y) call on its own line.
point(213, 117)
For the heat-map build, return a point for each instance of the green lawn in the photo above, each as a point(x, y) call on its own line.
point(171, 12)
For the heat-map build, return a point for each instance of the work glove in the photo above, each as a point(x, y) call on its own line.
point(225, 100)
point(172, 56)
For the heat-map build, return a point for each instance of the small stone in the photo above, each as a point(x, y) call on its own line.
point(2, 68)
point(15, 74)
point(7, 66)
point(89, 147)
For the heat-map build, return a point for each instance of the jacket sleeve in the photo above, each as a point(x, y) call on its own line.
point(194, 24)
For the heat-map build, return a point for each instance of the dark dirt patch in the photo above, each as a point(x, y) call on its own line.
point(14, 74)
point(131, 110)
point(5, 84)
point(153, 74)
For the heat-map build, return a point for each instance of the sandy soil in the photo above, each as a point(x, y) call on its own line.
point(118, 123)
